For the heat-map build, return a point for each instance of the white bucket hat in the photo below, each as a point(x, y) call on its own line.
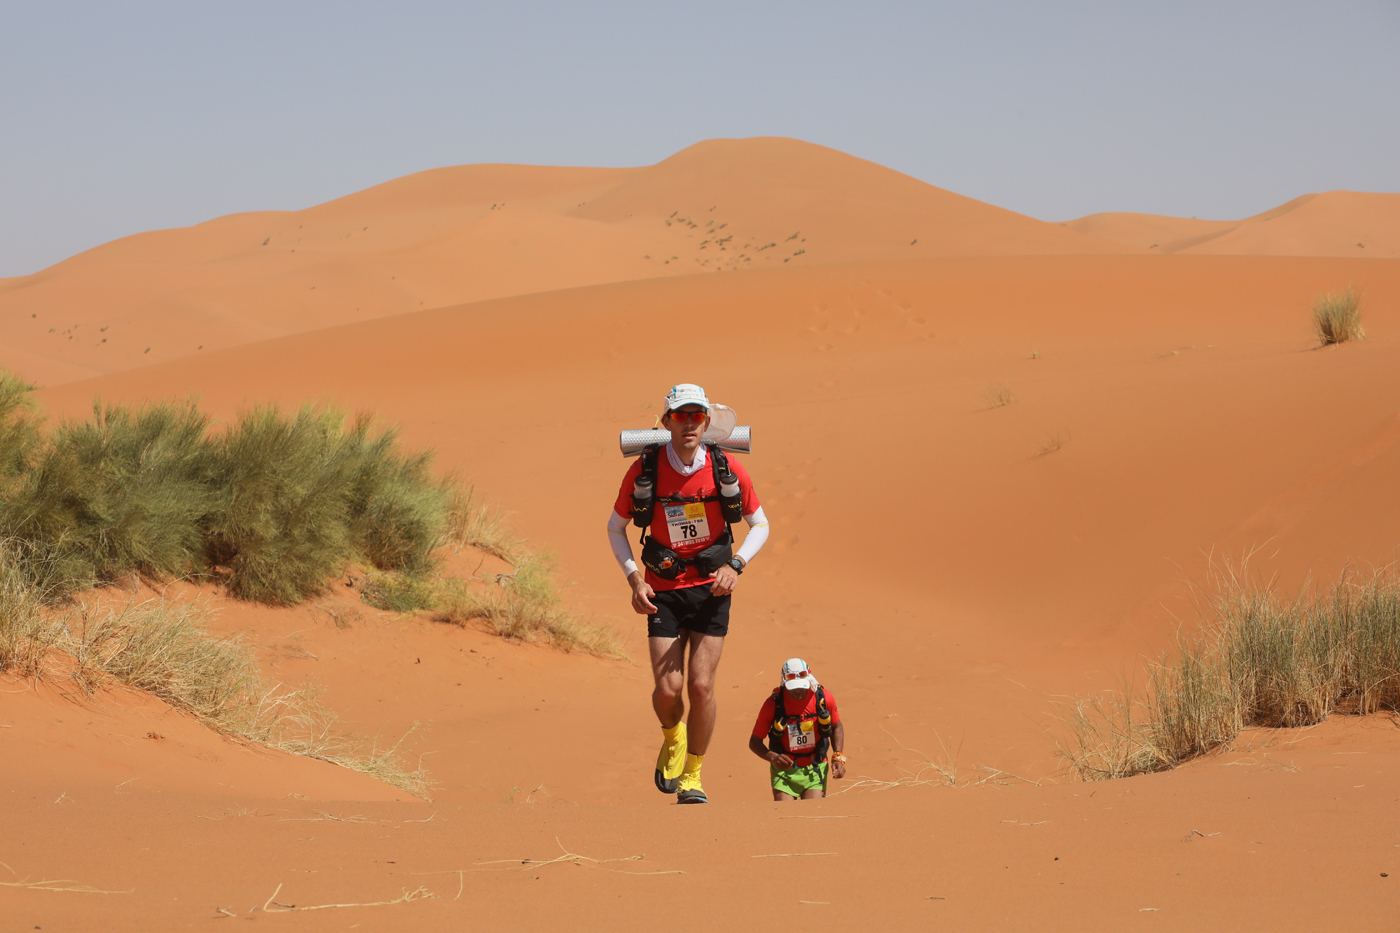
point(722, 417)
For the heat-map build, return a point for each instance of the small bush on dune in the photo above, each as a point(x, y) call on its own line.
point(162, 647)
point(1337, 317)
point(123, 492)
point(299, 496)
point(279, 519)
point(523, 605)
point(1263, 661)
point(471, 523)
point(25, 635)
point(20, 435)
point(401, 592)
point(395, 506)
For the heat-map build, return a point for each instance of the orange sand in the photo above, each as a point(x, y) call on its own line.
point(949, 568)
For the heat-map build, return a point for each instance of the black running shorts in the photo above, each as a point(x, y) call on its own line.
point(691, 608)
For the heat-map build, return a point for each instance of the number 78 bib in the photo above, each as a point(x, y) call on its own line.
point(686, 522)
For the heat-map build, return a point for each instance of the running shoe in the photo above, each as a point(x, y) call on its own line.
point(671, 761)
point(690, 791)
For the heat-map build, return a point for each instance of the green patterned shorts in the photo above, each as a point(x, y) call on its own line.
point(794, 781)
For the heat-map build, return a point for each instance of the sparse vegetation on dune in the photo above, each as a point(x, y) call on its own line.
point(521, 605)
point(1262, 660)
point(162, 647)
point(471, 523)
point(274, 507)
point(999, 396)
point(1337, 317)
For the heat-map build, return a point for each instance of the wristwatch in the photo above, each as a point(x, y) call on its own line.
point(737, 564)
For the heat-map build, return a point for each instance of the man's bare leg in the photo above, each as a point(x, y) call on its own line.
point(704, 660)
point(668, 675)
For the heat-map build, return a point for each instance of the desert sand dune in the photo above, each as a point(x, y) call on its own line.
point(1337, 223)
point(950, 565)
point(469, 233)
point(1182, 396)
point(1155, 232)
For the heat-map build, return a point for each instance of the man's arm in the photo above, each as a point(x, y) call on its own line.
point(726, 577)
point(838, 742)
point(622, 553)
point(773, 758)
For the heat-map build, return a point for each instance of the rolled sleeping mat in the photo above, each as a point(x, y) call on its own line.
point(739, 441)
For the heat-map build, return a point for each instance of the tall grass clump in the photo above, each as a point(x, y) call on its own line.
point(20, 434)
point(125, 492)
point(1261, 660)
point(279, 523)
point(470, 523)
point(1337, 317)
point(163, 648)
point(396, 508)
point(298, 496)
point(522, 605)
point(276, 505)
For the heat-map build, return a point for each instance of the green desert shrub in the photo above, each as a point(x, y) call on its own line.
point(20, 434)
point(396, 508)
point(1262, 660)
point(278, 522)
point(298, 496)
point(122, 493)
point(401, 592)
point(1337, 317)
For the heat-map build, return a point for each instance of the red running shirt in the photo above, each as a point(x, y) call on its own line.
point(686, 528)
point(805, 734)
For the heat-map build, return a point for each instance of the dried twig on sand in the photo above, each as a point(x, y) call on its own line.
point(529, 864)
point(274, 906)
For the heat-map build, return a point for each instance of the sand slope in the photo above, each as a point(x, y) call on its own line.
point(951, 568)
point(1336, 223)
point(1189, 413)
point(469, 233)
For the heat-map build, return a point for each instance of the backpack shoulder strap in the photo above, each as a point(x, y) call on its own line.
point(719, 463)
point(823, 714)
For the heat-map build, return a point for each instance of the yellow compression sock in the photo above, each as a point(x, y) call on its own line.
point(692, 764)
point(671, 732)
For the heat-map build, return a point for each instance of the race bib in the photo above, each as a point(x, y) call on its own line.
point(687, 522)
point(801, 736)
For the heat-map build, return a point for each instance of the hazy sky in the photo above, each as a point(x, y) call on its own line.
point(122, 117)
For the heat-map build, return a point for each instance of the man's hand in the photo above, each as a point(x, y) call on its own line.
point(838, 768)
point(782, 762)
point(642, 593)
point(725, 578)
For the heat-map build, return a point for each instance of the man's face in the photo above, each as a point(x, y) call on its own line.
point(683, 425)
point(799, 696)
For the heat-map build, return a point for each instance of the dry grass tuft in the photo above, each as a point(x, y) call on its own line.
point(471, 523)
point(162, 647)
point(524, 606)
point(1337, 317)
point(1262, 660)
point(999, 396)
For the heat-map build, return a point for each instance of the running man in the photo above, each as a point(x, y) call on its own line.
point(801, 723)
point(689, 577)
